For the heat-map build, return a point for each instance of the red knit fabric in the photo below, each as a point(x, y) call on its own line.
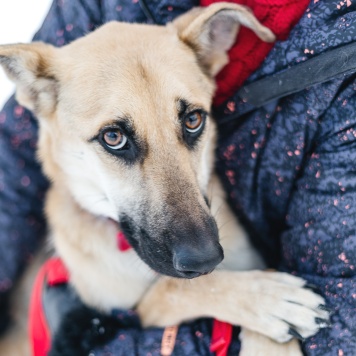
point(249, 51)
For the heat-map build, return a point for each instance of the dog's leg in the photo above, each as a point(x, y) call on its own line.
point(256, 344)
point(271, 303)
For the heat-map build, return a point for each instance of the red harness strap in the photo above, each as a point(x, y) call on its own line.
point(54, 272)
point(122, 243)
point(221, 337)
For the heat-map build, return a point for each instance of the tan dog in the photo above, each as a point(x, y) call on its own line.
point(126, 139)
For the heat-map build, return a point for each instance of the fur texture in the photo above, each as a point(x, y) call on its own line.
point(101, 88)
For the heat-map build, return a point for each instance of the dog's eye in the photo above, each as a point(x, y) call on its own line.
point(115, 139)
point(194, 122)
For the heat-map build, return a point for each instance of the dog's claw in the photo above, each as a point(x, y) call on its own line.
point(295, 334)
point(312, 287)
point(323, 323)
point(325, 308)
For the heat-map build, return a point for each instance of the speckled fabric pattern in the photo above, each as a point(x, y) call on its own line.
point(192, 339)
point(289, 168)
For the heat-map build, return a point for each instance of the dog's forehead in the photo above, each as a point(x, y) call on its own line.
point(130, 70)
point(131, 56)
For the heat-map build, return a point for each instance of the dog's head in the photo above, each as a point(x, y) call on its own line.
point(125, 125)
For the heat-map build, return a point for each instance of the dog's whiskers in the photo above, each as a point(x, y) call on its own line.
point(225, 223)
point(222, 238)
point(137, 262)
point(218, 210)
point(210, 195)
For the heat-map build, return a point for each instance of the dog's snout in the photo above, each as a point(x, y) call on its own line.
point(191, 262)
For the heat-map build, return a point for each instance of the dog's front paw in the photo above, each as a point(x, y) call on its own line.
point(281, 306)
point(255, 344)
point(274, 304)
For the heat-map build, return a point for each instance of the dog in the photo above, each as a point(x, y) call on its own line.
point(127, 141)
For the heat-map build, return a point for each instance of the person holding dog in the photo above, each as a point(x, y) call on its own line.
point(285, 151)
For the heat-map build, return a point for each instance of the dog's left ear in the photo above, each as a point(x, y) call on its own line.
point(29, 67)
point(212, 31)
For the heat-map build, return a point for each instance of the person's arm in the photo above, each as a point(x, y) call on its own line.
point(320, 243)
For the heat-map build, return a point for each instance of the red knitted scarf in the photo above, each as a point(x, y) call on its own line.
point(249, 51)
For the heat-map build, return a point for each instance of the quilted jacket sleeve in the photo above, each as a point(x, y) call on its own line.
point(320, 241)
point(22, 184)
point(289, 169)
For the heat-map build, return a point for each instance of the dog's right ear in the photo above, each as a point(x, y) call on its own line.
point(211, 31)
point(29, 67)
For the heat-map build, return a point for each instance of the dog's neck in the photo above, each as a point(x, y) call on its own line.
point(104, 276)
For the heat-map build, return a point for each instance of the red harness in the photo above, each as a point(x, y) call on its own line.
point(54, 272)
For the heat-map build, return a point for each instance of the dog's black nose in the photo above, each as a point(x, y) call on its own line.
point(191, 262)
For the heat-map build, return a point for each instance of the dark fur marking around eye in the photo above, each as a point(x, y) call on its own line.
point(134, 151)
point(185, 109)
point(183, 106)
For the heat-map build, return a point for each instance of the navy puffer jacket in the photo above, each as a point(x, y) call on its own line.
point(289, 168)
